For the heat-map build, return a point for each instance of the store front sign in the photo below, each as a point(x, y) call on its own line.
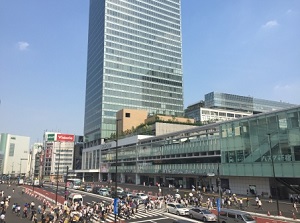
point(282, 158)
point(51, 137)
point(65, 138)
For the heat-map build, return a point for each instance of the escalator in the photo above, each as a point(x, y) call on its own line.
point(291, 184)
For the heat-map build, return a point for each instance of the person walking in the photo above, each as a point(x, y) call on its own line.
point(295, 206)
point(259, 203)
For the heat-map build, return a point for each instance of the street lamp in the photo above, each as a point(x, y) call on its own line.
point(219, 202)
point(116, 183)
point(57, 173)
point(21, 166)
point(274, 176)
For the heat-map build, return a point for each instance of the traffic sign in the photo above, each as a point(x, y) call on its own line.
point(116, 203)
point(219, 204)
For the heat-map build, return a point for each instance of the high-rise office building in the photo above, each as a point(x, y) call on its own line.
point(134, 61)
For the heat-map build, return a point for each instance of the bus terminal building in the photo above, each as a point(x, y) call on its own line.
point(251, 155)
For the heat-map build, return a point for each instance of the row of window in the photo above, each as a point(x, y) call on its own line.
point(136, 35)
point(129, 85)
point(141, 92)
point(174, 37)
point(133, 20)
point(133, 95)
point(147, 51)
point(152, 68)
point(140, 78)
point(146, 104)
point(166, 72)
point(136, 41)
point(141, 13)
point(158, 6)
point(152, 107)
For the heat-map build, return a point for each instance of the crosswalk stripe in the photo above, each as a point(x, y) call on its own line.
point(110, 217)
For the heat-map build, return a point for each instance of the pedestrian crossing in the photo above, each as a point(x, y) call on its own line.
point(140, 214)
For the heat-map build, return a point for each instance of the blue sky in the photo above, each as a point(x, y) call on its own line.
point(244, 47)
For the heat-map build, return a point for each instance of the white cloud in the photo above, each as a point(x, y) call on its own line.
point(270, 24)
point(23, 45)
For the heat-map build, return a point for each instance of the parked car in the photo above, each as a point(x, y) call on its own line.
point(120, 195)
point(88, 188)
point(177, 208)
point(142, 196)
point(137, 198)
point(81, 187)
point(129, 194)
point(95, 190)
point(235, 216)
point(202, 214)
point(103, 192)
point(119, 189)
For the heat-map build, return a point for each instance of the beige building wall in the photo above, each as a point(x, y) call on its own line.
point(128, 118)
point(170, 118)
point(164, 128)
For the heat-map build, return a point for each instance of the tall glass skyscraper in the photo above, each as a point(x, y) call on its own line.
point(134, 61)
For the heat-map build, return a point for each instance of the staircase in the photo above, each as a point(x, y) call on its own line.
point(293, 187)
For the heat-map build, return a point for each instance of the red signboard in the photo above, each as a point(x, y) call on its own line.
point(65, 138)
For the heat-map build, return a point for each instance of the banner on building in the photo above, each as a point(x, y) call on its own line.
point(65, 138)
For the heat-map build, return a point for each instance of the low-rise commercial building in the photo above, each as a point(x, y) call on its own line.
point(255, 154)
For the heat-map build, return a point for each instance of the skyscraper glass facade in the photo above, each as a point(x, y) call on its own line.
point(134, 61)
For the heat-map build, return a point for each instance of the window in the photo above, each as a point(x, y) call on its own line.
point(11, 149)
point(239, 217)
point(230, 215)
point(127, 115)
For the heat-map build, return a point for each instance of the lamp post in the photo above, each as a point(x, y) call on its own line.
point(116, 183)
point(274, 176)
point(219, 202)
point(57, 174)
point(66, 180)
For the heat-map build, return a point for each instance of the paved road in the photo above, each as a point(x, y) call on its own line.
point(285, 206)
point(17, 197)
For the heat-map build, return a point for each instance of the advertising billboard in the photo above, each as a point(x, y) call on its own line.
point(65, 138)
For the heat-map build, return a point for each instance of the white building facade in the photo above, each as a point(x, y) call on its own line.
point(14, 150)
point(58, 155)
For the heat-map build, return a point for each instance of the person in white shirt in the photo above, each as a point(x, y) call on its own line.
point(2, 218)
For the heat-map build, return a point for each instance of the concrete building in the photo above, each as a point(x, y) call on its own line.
point(134, 62)
point(14, 153)
point(57, 155)
point(222, 106)
point(134, 122)
point(257, 154)
point(34, 160)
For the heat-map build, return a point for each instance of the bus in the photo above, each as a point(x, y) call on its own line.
point(74, 183)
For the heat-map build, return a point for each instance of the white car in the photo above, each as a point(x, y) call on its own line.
point(177, 208)
point(202, 214)
point(88, 189)
point(103, 192)
point(142, 196)
point(177, 195)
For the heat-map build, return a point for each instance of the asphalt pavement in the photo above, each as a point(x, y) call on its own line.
point(268, 208)
point(284, 205)
point(17, 197)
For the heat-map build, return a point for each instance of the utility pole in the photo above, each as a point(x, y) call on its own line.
point(116, 183)
point(274, 176)
point(57, 175)
point(66, 180)
point(219, 201)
